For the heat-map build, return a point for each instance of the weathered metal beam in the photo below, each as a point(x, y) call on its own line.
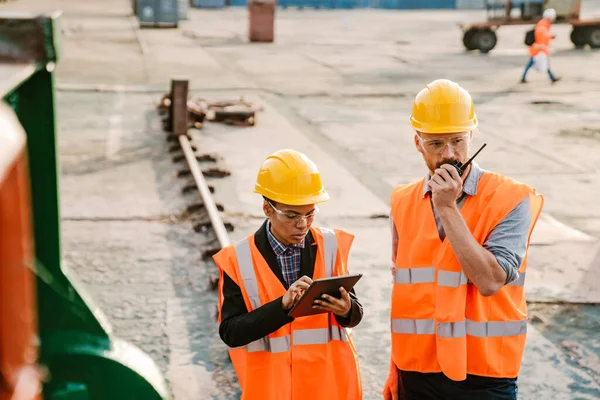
point(30, 37)
point(178, 110)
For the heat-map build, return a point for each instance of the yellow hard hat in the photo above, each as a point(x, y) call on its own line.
point(443, 107)
point(290, 177)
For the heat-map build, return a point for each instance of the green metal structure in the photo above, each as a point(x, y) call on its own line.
point(83, 359)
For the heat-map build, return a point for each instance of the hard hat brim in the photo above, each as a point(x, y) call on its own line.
point(292, 200)
point(438, 129)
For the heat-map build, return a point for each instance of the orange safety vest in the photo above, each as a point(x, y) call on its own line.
point(439, 321)
point(542, 38)
point(311, 357)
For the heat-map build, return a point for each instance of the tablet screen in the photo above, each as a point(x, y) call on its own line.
point(330, 286)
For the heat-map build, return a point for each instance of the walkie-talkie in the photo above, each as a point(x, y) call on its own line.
point(460, 167)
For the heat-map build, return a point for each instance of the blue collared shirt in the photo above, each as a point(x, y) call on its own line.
point(507, 241)
point(288, 257)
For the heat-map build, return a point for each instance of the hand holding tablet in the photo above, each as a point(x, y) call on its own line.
point(323, 291)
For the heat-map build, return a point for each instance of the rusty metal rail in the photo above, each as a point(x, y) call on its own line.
point(177, 122)
point(207, 199)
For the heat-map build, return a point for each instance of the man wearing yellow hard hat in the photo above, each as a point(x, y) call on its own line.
point(458, 312)
point(277, 357)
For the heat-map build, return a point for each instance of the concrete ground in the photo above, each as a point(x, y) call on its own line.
point(338, 86)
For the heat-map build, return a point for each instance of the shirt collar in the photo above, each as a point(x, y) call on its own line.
point(470, 184)
point(278, 247)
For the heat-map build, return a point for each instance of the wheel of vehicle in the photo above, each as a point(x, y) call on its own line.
point(593, 37)
point(485, 40)
point(578, 37)
point(468, 39)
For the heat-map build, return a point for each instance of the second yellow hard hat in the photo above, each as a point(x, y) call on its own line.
point(443, 107)
point(290, 177)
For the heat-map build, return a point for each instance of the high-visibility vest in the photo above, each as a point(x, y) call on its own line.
point(312, 357)
point(543, 36)
point(439, 321)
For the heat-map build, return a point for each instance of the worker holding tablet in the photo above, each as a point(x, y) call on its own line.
point(460, 240)
point(277, 356)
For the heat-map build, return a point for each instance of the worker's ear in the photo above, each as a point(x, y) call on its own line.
point(418, 144)
point(267, 209)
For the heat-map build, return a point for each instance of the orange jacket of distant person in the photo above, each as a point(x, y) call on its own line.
point(543, 37)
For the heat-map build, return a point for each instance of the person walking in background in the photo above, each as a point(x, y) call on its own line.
point(541, 45)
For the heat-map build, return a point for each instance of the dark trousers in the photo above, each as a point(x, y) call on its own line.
point(437, 386)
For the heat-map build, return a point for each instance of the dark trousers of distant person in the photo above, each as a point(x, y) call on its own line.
point(530, 64)
point(437, 386)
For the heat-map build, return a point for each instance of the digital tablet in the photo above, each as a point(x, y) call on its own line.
point(329, 286)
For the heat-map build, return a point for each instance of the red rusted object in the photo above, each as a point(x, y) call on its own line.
point(261, 20)
point(18, 324)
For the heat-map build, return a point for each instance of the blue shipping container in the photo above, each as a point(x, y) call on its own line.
point(429, 4)
point(152, 12)
point(210, 3)
point(348, 4)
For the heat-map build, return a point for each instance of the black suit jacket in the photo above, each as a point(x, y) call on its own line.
point(239, 327)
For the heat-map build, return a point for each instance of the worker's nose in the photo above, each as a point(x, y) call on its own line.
point(302, 223)
point(447, 152)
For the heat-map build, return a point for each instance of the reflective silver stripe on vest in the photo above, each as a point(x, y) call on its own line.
point(452, 279)
point(319, 335)
point(520, 281)
point(459, 329)
point(329, 250)
point(301, 337)
point(413, 326)
point(415, 275)
point(495, 329)
point(273, 345)
point(445, 278)
point(244, 259)
point(451, 329)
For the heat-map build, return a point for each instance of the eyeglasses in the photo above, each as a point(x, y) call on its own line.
point(293, 218)
point(437, 145)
